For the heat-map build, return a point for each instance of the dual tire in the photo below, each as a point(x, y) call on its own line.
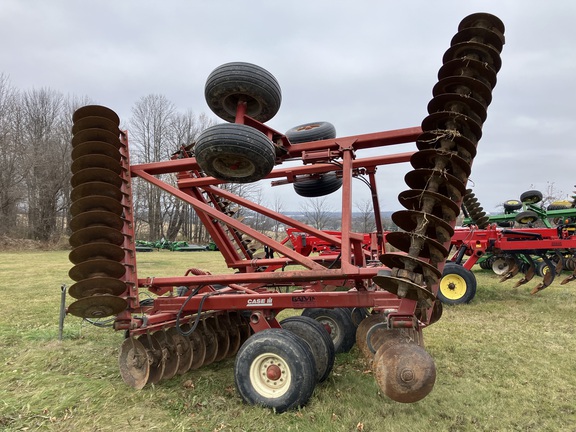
point(278, 368)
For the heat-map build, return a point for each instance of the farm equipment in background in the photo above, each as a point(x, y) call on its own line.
point(558, 212)
point(533, 251)
point(495, 242)
point(377, 299)
point(178, 246)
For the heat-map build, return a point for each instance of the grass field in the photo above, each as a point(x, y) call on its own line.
point(505, 362)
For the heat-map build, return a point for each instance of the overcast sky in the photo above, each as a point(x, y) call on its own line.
point(365, 66)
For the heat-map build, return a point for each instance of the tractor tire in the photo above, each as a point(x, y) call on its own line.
point(457, 286)
point(317, 338)
point(512, 205)
point(526, 217)
point(274, 368)
point(560, 205)
point(531, 197)
point(316, 131)
point(325, 185)
point(342, 329)
point(236, 82)
point(542, 269)
point(235, 153)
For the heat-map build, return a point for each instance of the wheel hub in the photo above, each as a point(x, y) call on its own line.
point(273, 373)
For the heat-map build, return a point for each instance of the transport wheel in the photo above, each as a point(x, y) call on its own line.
point(341, 329)
point(155, 358)
point(405, 372)
point(315, 131)
point(275, 368)
point(235, 82)
point(362, 332)
point(512, 205)
point(183, 349)
point(526, 217)
point(134, 364)
point(317, 338)
point(171, 359)
point(458, 285)
point(235, 153)
point(542, 269)
point(531, 197)
point(324, 185)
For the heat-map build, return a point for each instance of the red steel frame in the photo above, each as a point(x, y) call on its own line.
point(476, 242)
point(256, 285)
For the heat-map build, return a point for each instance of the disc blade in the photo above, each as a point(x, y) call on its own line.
point(134, 363)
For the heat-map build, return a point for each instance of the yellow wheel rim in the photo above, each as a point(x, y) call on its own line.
point(453, 286)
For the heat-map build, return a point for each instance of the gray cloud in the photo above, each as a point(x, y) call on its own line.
point(366, 66)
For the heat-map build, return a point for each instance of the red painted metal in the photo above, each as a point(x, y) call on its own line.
point(257, 283)
point(477, 242)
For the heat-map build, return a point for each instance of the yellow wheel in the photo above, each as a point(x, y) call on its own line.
point(458, 285)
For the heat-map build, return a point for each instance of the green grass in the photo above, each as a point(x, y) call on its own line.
point(504, 362)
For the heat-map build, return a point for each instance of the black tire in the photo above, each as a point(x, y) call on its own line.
point(560, 205)
point(512, 205)
point(342, 330)
point(526, 217)
point(233, 82)
point(505, 224)
point(315, 131)
point(542, 268)
point(457, 286)
point(317, 338)
point(275, 351)
point(531, 197)
point(327, 183)
point(235, 153)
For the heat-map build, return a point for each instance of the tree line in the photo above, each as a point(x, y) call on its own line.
point(35, 159)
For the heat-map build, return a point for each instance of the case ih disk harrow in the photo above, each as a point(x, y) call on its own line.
point(198, 318)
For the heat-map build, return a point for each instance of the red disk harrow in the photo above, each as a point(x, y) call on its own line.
point(351, 290)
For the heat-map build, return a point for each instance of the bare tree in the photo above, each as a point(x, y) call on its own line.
point(364, 221)
point(551, 194)
point(150, 132)
point(176, 213)
point(45, 143)
point(317, 213)
point(11, 174)
point(278, 207)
